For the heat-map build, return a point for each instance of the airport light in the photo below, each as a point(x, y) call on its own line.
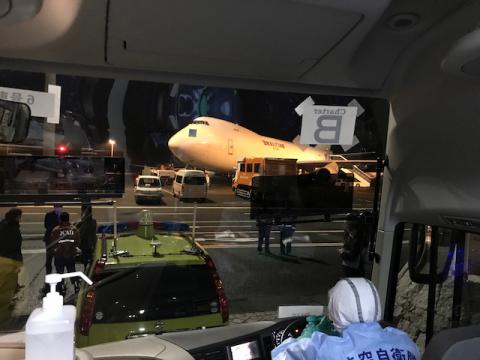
point(61, 150)
point(112, 144)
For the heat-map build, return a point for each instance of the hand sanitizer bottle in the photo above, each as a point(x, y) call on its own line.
point(49, 333)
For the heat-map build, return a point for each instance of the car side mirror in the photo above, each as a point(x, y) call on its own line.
point(14, 121)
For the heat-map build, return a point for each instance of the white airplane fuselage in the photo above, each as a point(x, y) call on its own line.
point(214, 144)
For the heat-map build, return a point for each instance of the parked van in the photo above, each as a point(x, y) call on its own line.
point(190, 184)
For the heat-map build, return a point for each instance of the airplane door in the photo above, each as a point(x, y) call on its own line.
point(230, 146)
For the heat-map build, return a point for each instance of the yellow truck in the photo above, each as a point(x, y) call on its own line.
point(248, 168)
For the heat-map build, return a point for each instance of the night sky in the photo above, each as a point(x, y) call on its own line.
point(152, 112)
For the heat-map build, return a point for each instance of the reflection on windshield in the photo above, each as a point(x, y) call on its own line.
point(155, 293)
point(300, 215)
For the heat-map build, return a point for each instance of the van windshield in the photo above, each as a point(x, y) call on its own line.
point(149, 182)
point(156, 292)
point(194, 180)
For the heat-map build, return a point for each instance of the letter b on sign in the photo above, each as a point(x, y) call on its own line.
point(328, 125)
point(328, 128)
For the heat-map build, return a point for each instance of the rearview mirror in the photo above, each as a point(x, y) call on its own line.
point(14, 121)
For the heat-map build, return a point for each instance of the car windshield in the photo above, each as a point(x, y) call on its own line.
point(149, 182)
point(270, 233)
point(194, 180)
point(157, 292)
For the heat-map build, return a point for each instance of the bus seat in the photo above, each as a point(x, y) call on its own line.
point(459, 343)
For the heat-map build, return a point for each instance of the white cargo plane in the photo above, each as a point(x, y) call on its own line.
point(214, 144)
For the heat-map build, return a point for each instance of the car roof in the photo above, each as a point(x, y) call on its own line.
point(191, 172)
point(140, 251)
point(149, 176)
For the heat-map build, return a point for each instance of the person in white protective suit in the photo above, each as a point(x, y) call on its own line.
point(354, 308)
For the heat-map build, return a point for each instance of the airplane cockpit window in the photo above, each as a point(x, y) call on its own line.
point(229, 227)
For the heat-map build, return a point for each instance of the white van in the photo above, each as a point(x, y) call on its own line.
point(147, 187)
point(190, 184)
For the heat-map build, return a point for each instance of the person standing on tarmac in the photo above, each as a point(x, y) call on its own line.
point(10, 235)
point(65, 241)
point(88, 235)
point(264, 227)
point(286, 237)
point(354, 308)
point(354, 252)
point(52, 219)
point(11, 260)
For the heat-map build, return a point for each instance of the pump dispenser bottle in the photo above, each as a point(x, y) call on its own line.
point(49, 333)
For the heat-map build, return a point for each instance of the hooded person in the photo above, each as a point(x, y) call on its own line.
point(354, 308)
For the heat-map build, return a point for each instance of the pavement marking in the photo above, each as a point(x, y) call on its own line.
point(176, 207)
point(43, 214)
point(298, 245)
point(278, 231)
point(33, 251)
point(160, 213)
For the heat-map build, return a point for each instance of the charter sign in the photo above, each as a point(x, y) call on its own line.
point(330, 125)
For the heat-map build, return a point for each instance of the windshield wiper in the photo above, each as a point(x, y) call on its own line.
point(116, 276)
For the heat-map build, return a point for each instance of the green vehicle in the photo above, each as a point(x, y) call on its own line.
point(148, 282)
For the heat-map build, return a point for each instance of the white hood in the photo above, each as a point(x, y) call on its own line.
point(353, 300)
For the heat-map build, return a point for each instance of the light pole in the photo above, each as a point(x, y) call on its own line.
point(112, 143)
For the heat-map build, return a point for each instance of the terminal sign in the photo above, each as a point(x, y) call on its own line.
point(332, 125)
point(41, 104)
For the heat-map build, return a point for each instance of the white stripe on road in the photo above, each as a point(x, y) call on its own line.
point(278, 231)
point(174, 213)
point(33, 251)
point(43, 214)
point(298, 245)
point(231, 244)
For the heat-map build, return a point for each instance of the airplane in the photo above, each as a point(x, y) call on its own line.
point(215, 144)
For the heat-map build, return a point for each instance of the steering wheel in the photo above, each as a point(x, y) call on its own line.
point(294, 329)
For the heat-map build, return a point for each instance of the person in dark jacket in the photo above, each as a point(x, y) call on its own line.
point(264, 227)
point(354, 252)
point(10, 235)
point(88, 235)
point(52, 219)
point(65, 240)
point(10, 261)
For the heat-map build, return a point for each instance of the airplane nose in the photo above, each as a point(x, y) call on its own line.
point(174, 143)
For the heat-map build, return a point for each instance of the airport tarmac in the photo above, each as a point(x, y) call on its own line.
point(253, 283)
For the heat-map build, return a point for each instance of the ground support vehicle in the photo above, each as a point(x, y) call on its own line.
point(149, 282)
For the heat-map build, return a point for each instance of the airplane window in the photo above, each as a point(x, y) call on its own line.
point(298, 264)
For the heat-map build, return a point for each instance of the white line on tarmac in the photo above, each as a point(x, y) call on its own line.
point(278, 231)
point(33, 251)
point(43, 214)
point(174, 213)
point(298, 245)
